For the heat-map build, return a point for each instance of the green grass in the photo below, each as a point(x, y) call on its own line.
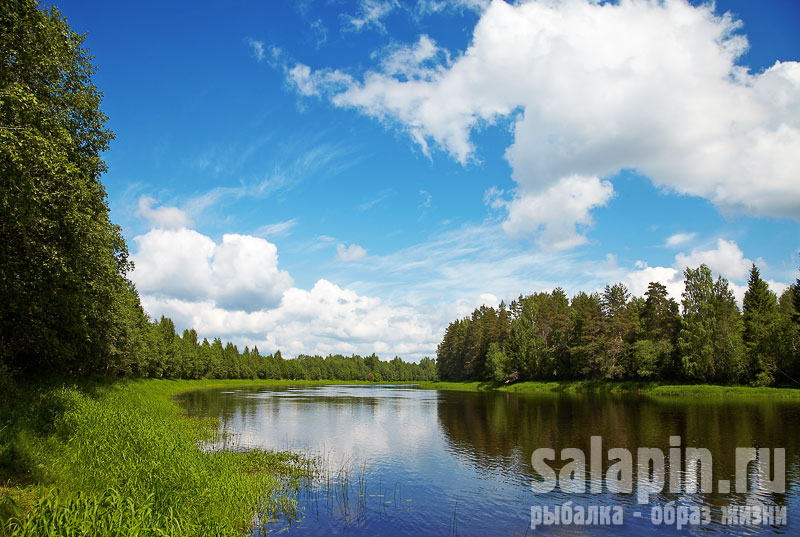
point(639, 387)
point(122, 459)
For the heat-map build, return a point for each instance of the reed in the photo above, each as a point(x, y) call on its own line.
point(78, 458)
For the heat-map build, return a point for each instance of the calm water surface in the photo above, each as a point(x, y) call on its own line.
point(424, 462)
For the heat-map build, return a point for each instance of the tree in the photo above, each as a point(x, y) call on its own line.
point(795, 290)
point(621, 318)
point(760, 317)
point(659, 323)
point(660, 317)
point(586, 329)
point(787, 339)
point(710, 339)
point(67, 306)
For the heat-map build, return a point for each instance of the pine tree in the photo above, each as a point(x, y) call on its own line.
point(586, 335)
point(654, 349)
point(760, 325)
point(619, 327)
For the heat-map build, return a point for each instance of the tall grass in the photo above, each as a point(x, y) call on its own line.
point(122, 459)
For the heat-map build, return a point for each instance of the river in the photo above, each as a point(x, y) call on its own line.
point(413, 462)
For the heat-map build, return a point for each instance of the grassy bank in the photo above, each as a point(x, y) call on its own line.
point(122, 459)
point(645, 388)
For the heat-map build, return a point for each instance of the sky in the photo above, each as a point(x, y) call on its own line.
point(327, 176)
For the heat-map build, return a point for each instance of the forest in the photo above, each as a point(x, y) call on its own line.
point(612, 335)
point(165, 354)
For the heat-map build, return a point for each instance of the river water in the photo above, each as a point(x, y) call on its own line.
point(403, 461)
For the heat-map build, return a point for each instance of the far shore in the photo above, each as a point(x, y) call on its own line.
point(575, 386)
point(608, 386)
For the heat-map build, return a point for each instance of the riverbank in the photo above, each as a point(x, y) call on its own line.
point(638, 387)
point(85, 458)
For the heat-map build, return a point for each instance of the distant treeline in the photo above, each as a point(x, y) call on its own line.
point(166, 354)
point(612, 335)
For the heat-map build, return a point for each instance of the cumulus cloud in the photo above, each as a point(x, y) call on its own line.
point(234, 289)
point(239, 273)
point(593, 88)
point(354, 252)
point(325, 319)
point(176, 263)
point(555, 212)
point(162, 217)
point(726, 260)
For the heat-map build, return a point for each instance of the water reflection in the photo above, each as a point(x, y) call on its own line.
point(427, 463)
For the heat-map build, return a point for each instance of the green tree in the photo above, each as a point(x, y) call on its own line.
point(787, 339)
point(621, 319)
point(67, 306)
point(586, 330)
point(760, 319)
point(654, 348)
point(500, 365)
point(710, 339)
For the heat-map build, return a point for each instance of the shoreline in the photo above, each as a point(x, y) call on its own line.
point(661, 389)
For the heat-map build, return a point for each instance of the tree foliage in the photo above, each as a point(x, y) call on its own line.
point(66, 302)
point(612, 335)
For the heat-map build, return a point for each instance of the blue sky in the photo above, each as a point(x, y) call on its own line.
point(330, 176)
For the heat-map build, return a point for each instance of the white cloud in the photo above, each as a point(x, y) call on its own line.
point(593, 88)
point(246, 273)
point(234, 289)
point(371, 14)
point(310, 83)
point(239, 273)
point(554, 213)
point(679, 239)
point(258, 48)
point(354, 252)
point(162, 217)
point(276, 229)
point(325, 319)
point(726, 259)
point(421, 61)
point(176, 263)
point(638, 280)
point(435, 6)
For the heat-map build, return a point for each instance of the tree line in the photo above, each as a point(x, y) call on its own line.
point(164, 353)
point(612, 335)
point(68, 306)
